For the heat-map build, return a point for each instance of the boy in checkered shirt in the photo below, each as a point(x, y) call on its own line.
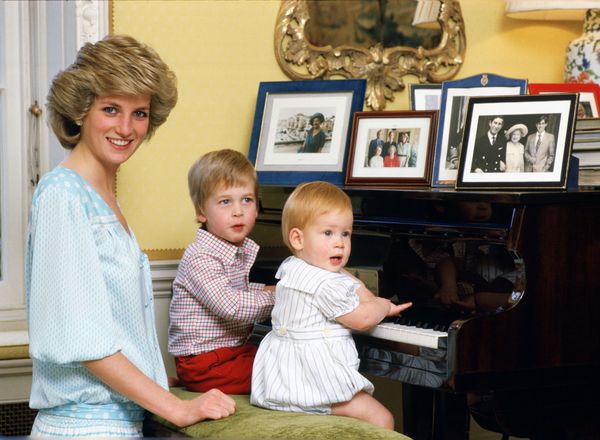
point(214, 305)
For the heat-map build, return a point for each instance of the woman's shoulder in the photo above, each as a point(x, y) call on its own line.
point(62, 180)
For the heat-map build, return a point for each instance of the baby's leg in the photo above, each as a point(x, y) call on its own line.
point(364, 407)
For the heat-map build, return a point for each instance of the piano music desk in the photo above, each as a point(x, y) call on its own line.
point(250, 423)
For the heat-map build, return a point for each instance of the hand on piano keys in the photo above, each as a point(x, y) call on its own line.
point(396, 309)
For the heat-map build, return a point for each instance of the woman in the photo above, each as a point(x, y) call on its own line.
point(515, 150)
point(391, 160)
point(377, 159)
point(404, 149)
point(315, 137)
point(96, 359)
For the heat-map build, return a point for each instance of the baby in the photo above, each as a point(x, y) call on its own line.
point(308, 362)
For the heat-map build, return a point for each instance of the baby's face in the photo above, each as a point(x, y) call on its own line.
point(325, 243)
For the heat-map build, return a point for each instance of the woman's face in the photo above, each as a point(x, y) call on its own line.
point(115, 127)
point(515, 136)
point(392, 150)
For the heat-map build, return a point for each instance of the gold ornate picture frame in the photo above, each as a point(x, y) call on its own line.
point(383, 67)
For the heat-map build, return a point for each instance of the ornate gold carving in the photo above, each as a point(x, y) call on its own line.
point(382, 67)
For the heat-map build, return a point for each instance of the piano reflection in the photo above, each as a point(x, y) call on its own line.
point(506, 296)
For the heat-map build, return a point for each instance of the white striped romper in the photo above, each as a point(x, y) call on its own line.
point(308, 361)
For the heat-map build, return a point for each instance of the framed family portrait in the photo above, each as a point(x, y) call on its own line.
point(518, 142)
point(301, 130)
point(453, 112)
point(391, 148)
point(425, 96)
point(589, 96)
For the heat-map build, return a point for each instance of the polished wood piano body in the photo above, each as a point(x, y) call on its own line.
point(528, 367)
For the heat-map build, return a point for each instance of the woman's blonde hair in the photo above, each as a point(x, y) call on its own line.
point(222, 167)
point(307, 202)
point(115, 65)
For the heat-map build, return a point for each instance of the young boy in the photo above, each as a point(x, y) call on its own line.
point(214, 306)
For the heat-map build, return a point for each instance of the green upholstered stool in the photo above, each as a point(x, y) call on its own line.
point(253, 423)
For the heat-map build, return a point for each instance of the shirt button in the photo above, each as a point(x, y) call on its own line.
point(282, 331)
point(327, 332)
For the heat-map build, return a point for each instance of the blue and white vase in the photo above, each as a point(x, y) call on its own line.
point(583, 53)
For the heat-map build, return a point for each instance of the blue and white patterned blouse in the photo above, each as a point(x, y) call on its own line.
point(89, 295)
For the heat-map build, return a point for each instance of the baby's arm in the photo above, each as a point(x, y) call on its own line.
point(370, 313)
point(448, 291)
point(371, 310)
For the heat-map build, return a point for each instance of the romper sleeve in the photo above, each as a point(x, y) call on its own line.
point(70, 318)
point(336, 297)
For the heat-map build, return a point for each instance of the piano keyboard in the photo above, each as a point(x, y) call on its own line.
point(422, 337)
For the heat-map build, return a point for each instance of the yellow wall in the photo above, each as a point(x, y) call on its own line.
point(221, 50)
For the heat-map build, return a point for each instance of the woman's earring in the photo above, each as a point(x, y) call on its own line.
point(78, 123)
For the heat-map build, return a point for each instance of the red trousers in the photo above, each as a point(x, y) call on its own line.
point(228, 369)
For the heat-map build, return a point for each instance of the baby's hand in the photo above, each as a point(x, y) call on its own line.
point(395, 309)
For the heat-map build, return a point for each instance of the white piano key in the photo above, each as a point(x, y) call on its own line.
point(407, 334)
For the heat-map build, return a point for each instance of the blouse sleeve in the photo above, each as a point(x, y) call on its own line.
point(70, 318)
point(337, 297)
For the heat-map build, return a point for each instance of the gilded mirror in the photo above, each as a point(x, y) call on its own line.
point(379, 40)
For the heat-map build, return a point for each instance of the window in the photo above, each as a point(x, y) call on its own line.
point(12, 163)
point(37, 39)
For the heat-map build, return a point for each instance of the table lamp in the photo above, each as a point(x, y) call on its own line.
point(582, 63)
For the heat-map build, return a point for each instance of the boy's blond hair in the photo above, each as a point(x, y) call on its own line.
point(307, 202)
point(219, 168)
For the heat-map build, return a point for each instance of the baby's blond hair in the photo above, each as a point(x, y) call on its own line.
point(307, 202)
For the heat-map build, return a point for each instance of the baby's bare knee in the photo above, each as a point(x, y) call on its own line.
point(384, 419)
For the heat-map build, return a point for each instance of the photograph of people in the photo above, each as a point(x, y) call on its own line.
point(377, 142)
point(489, 153)
point(315, 136)
point(377, 160)
point(540, 148)
point(515, 149)
point(391, 159)
point(457, 125)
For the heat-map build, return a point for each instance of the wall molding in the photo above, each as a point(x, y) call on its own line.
point(92, 20)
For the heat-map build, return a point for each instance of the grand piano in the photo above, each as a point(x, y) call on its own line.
point(523, 360)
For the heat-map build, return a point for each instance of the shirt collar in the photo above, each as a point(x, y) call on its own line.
point(224, 249)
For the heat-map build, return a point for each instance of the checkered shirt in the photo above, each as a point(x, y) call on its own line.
point(214, 305)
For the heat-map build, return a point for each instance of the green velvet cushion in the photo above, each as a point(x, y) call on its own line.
point(250, 423)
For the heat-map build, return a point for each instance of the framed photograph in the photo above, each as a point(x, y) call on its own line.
point(301, 130)
point(455, 96)
point(518, 142)
point(391, 148)
point(425, 96)
point(589, 96)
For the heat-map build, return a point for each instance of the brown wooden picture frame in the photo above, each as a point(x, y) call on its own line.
point(373, 162)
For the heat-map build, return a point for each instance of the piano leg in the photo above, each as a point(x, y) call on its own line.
point(430, 414)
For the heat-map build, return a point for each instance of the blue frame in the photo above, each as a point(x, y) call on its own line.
point(356, 86)
point(482, 81)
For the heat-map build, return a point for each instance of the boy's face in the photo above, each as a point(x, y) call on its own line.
point(325, 242)
point(230, 213)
